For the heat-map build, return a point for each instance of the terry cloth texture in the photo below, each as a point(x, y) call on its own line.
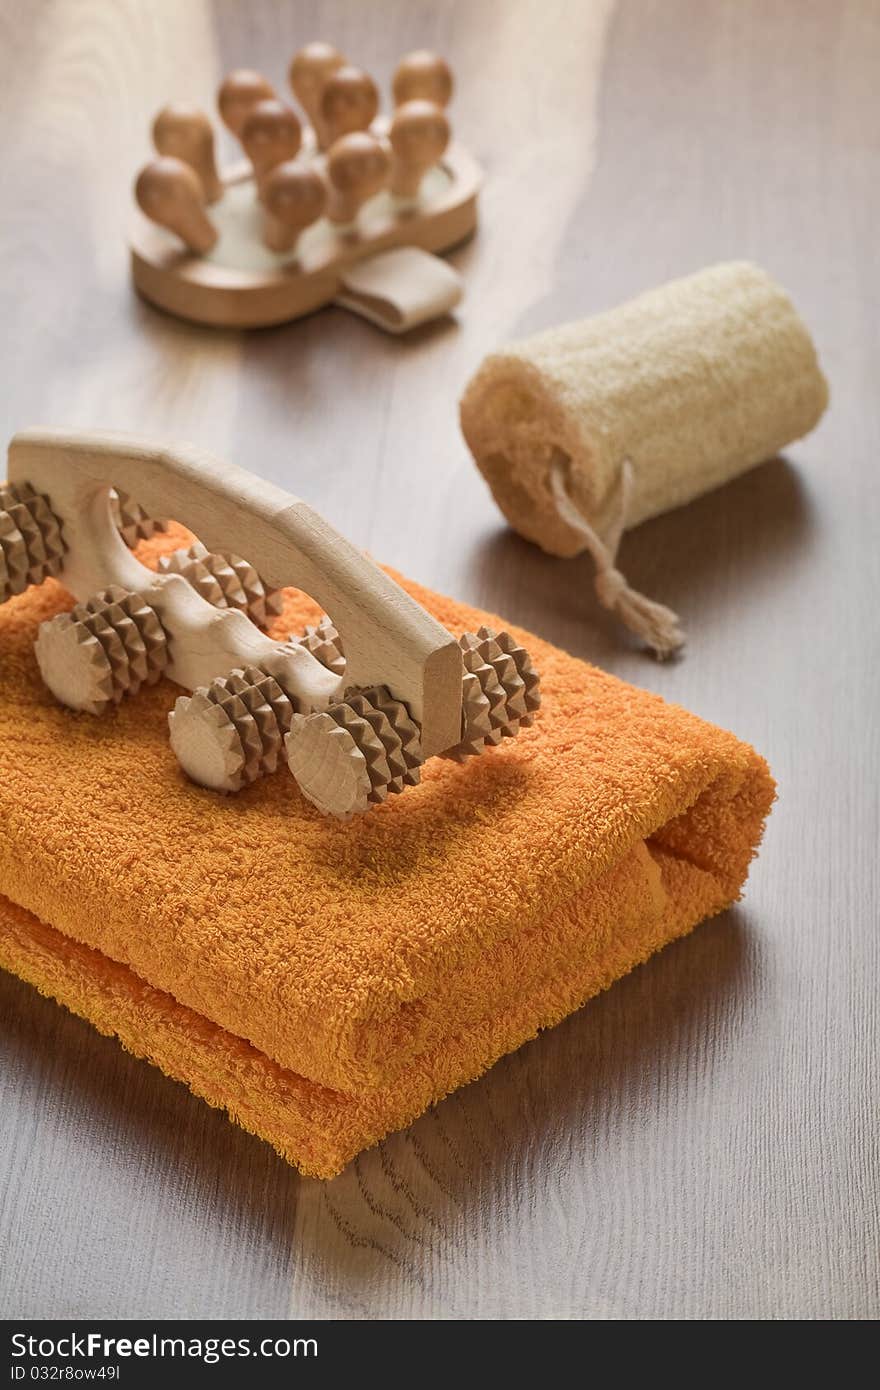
point(326, 982)
point(691, 383)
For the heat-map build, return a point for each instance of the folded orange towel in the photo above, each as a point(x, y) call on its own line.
point(325, 982)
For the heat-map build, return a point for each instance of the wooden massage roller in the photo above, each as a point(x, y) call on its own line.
point(355, 704)
point(343, 207)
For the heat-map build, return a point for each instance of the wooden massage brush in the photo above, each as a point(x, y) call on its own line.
point(355, 704)
point(345, 206)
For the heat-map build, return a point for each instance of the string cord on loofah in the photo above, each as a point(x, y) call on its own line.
point(694, 382)
point(656, 624)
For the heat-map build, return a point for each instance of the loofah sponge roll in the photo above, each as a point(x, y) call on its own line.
point(585, 430)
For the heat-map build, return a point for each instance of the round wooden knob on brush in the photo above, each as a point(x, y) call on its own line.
point(186, 133)
point(358, 166)
point(422, 76)
point(350, 101)
point(294, 197)
point(309, 70)
point(419, 134)
point(239, 94)
point(170, 192)
point(271, 134)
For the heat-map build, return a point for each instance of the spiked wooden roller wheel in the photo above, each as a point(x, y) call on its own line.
point(102, 650)
point(354, 706)
point(132, 521)
point(500, 691)
point(325, 644)
point(226, 581)
point(231, 733)
point(31, 545)
point(355, 754)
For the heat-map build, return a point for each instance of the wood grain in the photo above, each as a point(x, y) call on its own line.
point(700, 1142)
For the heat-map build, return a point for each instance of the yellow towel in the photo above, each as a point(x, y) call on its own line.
point(326, 982)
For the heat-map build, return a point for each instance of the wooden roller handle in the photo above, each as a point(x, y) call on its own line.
point(387, 637)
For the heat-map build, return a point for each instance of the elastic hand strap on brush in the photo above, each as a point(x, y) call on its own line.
point(653, 622)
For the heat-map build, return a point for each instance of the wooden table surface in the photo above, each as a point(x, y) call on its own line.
point(701, 1141)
